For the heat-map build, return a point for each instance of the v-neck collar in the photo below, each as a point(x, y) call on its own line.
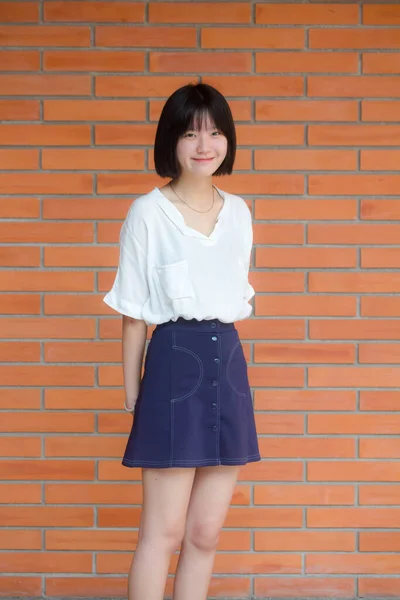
point(177, 217)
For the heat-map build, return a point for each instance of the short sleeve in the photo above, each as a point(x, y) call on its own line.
point(130, 290)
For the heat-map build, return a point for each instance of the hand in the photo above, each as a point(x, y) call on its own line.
point(130, 406)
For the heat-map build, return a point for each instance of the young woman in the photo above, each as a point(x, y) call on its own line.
point(184, 259)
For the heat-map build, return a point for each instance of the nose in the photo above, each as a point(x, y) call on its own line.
point(203, 143)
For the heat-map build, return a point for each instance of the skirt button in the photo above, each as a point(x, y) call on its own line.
point(214, 428)
point(214, 338)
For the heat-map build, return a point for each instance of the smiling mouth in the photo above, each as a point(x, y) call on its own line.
point(204, 159)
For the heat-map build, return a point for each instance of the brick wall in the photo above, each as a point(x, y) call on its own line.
point(315, 90)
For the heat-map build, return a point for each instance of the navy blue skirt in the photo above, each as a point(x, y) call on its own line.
point(194, 407)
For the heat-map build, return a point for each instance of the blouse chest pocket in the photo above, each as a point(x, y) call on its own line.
point(174, 280)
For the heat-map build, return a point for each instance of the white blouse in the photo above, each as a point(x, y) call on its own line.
point(169, 270)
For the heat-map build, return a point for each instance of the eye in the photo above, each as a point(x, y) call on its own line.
point(189, 134)
point(216, 133)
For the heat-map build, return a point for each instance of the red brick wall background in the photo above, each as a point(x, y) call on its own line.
point(315, 91)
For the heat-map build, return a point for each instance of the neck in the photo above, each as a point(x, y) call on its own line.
point(198, 191)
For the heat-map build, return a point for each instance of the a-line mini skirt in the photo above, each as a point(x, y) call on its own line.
point(194, 407)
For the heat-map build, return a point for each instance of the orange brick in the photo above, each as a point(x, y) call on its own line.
point(280, 424)
point(379, 586)
point(356, 424)
point(124, 134)
point(380, 400)
point(253, 563)
point(306, 62)
point(18, 60)
point(366, 282)
point(306, 258)
point(145, 37)
point(307, 448)
point(367, 329)
point(227, 37)
point(354, 39)
point(379, 160)
point(378, 541)
point(73, 257)
point(354, 135)
point(357, 233)
point(19, 159)
point(46, 183)
point(293, 305)
point(276, 377)
point(45, 135)
point(257, 85)
point(93, 159)
point(19, 399)
point(44, 516)
point(289, 587)
point(264, 517)
point(17, 493)
point(91, 540)
point(96, 12)
point(257, 184)
point(379, 306)
point(304, 541)
point(20, 446)
point(20, 586)
point(295, 14)
point(90, 304)
point(277, 233)
point(140, 85)
point(377, 63)
point(379, 353)
point(355, 184)
point(19, 256)
point(304, 353)
point(305, 400)
point(271, 329)
point(82, 493)
point(19, 110)
point(88, 208)
point(305, 209)
point(43, 35)
point(308, 160)
point(94, 110)
point(277, 282)
point(380, 448)
point(353, 563)
point(12, 12)
point(82, 352)
point(384, 258)
point(380, 209)
point(353, 86)
point(85, 446)
point(93, 60)
point(84, 399)
point(377, 14)
point(201, 12)
point(378, 110)
point(306, 110)
point(353, 377)
point(302, 494)
point(85, 586)
point(25, 208)
point(46, 232)
point(49, 281)
point(15, 539)
point(19, 352)
point(48, 422)
point(48, 328)
point(379, 494)
point(33, 470)
point(46, 375)
point(199, 62)
point(54, 85)
point(353, 471)
point(346, 517)
point(49, 562)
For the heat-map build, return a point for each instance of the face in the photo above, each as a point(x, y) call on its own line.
point(201, 151)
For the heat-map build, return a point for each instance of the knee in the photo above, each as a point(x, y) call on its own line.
point(203, 536)
point(169, 538)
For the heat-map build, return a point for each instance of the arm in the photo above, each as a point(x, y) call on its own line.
point(134, 334)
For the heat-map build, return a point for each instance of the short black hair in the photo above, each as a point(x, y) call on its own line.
point(184, 110)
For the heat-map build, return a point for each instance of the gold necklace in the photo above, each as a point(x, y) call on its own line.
point(195, 209)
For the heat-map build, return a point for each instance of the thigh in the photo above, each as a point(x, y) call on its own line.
point(211, 496)
point(166, 495)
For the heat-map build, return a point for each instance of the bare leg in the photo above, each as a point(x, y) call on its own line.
point(166, 494)
point(211, 496)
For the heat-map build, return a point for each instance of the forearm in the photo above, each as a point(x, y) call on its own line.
point(134, 333)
